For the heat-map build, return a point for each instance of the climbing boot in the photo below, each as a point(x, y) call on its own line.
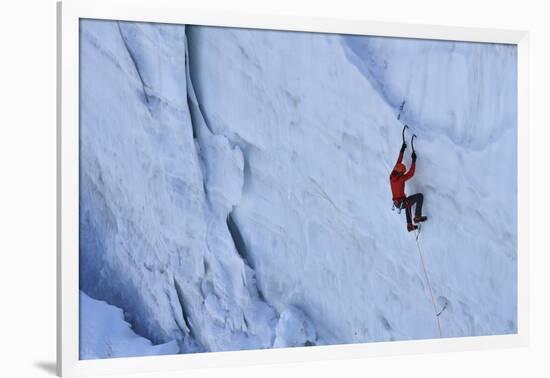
point(411, 227)
point(421, 218)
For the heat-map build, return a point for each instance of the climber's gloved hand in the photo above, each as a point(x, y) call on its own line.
point(413, 156)
point(403, 147)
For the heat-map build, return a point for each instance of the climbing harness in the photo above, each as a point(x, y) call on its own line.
point(399, 205)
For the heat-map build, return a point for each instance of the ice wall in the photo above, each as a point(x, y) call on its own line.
point(316, 116)
point(151, 242)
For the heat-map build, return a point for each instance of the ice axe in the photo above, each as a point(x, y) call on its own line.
point(404, 128)
point(413, 155)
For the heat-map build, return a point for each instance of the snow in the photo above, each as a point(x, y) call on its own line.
point(235, 195)
point(105, 334)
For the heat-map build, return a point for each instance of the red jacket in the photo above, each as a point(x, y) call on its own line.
point(397, 181)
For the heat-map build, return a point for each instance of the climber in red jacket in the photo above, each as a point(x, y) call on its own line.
point(398, 177)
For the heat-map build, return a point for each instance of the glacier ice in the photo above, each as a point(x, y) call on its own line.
point(161, 260)
point(234, 185)
point(294, 329)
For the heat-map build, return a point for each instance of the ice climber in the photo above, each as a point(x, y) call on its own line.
point(398, 177)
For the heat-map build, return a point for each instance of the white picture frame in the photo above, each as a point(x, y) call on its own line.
point(172, 11)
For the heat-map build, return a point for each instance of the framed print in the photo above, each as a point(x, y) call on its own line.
point(238, 189)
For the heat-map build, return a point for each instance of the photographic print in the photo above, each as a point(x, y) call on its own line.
point(253, 189)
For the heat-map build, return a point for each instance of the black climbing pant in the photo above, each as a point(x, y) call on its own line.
point(417, 200)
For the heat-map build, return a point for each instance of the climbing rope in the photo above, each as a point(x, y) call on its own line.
point(429, 285)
